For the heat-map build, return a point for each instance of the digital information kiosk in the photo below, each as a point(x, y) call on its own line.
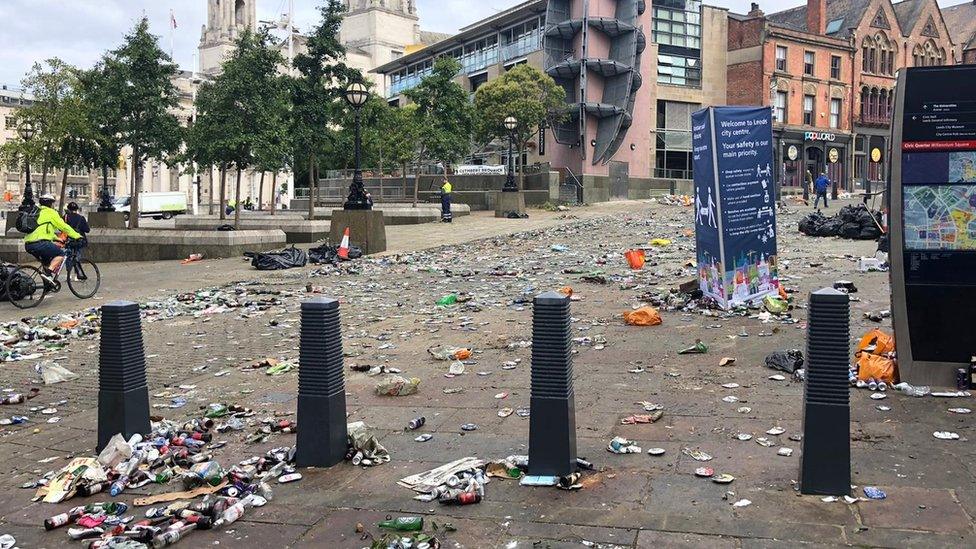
point(933, 222)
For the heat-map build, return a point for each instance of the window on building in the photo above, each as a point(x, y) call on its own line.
point(835, 108)
point(673, 149)
point(677, 31)
point(11, 123)
point(779, 108)
point(808, 60)
point(835, 67)
point(781, 58)
point(679, 70)
point(808, 102)
point(478, 80)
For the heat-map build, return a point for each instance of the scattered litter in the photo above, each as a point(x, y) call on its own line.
point(620, 445)
point(785, 452)
point(697, 349)
point(656, 451)
point(395, 385)
point(787, 361)
point(946, 435)
point(696, 455)
point(645, 316)
point(873, 492)
point(704, 472)
point(742, 503)
point(52, 372)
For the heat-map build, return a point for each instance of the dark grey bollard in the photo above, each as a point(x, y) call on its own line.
point(552, 423)
point(322, 437)
point(825, 463)
point(123, 395)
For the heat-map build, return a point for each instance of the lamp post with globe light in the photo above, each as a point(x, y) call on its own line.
point(357, 95)
point(510, 186)
point(27, 130)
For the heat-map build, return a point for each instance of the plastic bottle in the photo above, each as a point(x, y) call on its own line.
point(403, 524)
point(913, 390)
point(85, 533)
point(119, 485)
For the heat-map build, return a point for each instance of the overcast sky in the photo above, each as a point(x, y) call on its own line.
point(79, 31)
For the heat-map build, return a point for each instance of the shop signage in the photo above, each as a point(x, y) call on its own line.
point(875, 155)
point(792, 153)
point(819, 136)
point(833, 156)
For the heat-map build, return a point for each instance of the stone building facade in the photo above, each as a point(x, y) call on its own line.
point(961, 22)
point(828, 70)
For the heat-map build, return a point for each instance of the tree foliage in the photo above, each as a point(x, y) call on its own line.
point(444, 114)
point(317, 91)
point(524, 92)
point(140, 84)
point(241, 114)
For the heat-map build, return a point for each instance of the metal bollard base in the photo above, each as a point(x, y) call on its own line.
point(825, 462)
point(552, 436)
point(323, 443)
point(125, 412)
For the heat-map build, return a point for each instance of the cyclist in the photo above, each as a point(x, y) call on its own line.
point(40, 243)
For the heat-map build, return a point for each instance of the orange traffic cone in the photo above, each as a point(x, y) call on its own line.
point(344, 246)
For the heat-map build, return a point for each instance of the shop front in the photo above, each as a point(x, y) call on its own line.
point(871, 158)
point(803, 155)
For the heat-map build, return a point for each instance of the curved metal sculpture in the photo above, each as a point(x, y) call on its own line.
point(571, 65)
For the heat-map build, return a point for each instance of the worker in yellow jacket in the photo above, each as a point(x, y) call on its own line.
point(446, 190)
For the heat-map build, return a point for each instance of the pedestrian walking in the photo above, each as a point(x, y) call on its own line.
point(446, 190)
point(821, 186)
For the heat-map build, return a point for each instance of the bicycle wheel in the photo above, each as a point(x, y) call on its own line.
point(84, 278)
point(25, 287)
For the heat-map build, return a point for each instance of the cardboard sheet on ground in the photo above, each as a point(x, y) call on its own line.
point(428, 480)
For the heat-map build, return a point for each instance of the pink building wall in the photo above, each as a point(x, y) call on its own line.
point(638, 158)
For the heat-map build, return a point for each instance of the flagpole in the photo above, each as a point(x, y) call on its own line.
point(172, 34)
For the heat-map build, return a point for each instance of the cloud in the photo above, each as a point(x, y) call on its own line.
point(80, 31)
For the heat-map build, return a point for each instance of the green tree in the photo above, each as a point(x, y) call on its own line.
point(240, 113)
point(317, 93)
point(104, 118)
point(443, 114)
point(401, 140)
point(524, 92)
point(339, 152)
point(141, 86)
point(58, 112)
point(273, 151)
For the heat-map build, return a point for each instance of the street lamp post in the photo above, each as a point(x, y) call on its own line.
point(356, 96)
point(510, 186)
point(27, 131)
point(105, 205)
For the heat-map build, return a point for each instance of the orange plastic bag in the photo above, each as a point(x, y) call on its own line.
point(645, 316)
point(878, 368)
point(882, 343)
point(636, 259)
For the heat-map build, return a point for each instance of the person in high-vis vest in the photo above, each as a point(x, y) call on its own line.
point(446, 190)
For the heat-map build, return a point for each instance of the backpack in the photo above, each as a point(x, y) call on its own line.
point(27, 220)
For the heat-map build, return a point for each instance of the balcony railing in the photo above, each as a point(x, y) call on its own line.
point(522, 47)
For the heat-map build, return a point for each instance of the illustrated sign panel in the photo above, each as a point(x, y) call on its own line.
point(735, 215)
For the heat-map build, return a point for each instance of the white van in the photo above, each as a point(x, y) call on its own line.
point(154, 205)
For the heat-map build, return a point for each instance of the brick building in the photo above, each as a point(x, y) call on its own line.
point(961, 21)
point(828, 70)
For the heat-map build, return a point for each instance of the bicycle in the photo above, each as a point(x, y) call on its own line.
point(27, 286)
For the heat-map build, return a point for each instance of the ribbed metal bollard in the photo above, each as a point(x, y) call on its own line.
point(322, 437)
point(552, 422)
point(825, 463)
point(123, 395)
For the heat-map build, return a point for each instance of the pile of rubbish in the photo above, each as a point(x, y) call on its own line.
point(172, 452)
point(31, 338)
point(246, 299)
point(854, 222)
